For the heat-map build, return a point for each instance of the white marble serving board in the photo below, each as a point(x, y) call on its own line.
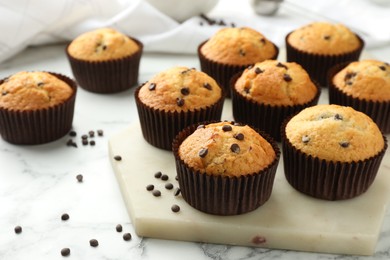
point(289, 220)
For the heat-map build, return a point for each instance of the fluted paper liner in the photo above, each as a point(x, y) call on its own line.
point(222, 195)
point(221, 72)
point(159, 127)
point(328, 180)
point(41, 125)
point(379, 111)
point(108, 76)
point(268, 118)
point(317, 65)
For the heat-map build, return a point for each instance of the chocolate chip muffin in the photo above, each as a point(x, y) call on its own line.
point(176, 98)
point(332, 152)
point(231, 50)
point(225, 168)
point(268, 92)
point(364, 85)
point(36, 107)
point(105, 60)
point(319, 46)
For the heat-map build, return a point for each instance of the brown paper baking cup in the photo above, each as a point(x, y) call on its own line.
point(221, 195)
point(317, 65)
point(41, 125)
point(160, 127)
point(328, 180)
point(268, 118)
point(379, 111)
point(221, 72)
point(109, 76)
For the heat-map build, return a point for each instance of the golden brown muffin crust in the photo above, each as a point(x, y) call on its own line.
point(102, 44)
point(33, 90)
point(231, 150)
point(366, 79)
point(238, 46)
point(180, 89)
point(335, 133)
point(324, 38)
point(276, 83)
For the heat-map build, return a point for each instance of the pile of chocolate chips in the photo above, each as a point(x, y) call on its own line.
point(85, 138)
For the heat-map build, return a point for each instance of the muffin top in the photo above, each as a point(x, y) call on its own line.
point(366, 79)
point(102, 44)
point(180, 89)
point(276, 83)
point(33, 90)
point(238, 46)
point(226, 149)
point(335, 133)
point(324, 38)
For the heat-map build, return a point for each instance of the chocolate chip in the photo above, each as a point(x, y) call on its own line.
point(72, 133)
point(177, 192)
point(91, 133)
point(169, 186)
point(18, 229)
point(176, 177)
point(344, 144)
point(203, 152)
point(235, 148)
point(327, 37)
point(305, 139)
point(65, 217)
point(100, 132)
point(92, 143)
point(239, 136)
point(222, 23)
point(150, 187)
point(338, 117)
point(241, 52)
point(156, 193)
point(3, 93)
point(258, 70)
point(262, 40)
point(65, 251)
point(200, 126)
point(93, 243)
point(126, 236)
point(227, 128)
point(180, 102)
point(79, 178)
point(247, 89)
point(164, 177)
point(71, 143)
point(175, 208)
point(84, 137)
point(84, 141)
point(281, 65)
point(118, 228)
point(185, 91)
point(117, 158)
point(207, 86)
point(232, 25)
point(40, 84)
point(201, 23)
point(104, 47)
point(152, 86)
point(382, 68)
point(287, 78)
point(157, 175)
point(348, 77)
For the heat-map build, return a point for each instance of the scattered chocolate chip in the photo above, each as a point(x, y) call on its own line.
point(281, 65)
point(338, 117)
point(150, 187)
point(65, 251)
point(84, 137)
point(18, 229)
point(118, 228)
point(169, 186)
point(200, 126)
point(100, 132)
point(92, 143)
point(72, 133)
point(176, 177)
point(232, 25)
point(175, 208)
point(203, 152)
point(348, 77)
point(104, 47)
point(84, 141)
point(262, 40)
point(185, 91)
point(287, 78)
point(79, 178)
point(344, 144)
point(93, 243)
point(158, 175)
point(382, 68)
point(201, 23)
point(222, 23)
point(305, 139)
point(241, 52)
point(239, 136)
point(327, 37)
point(227, 128)
point(177, 192)
point(247, 89)
point(64, 216)
point(71, 143)
point(117, 158)
point(126, 236)
point(235, 148)
point(40, 84)
point(180, 102)
point(91, 133)
point(207, 86)
point(156, 193)
point(164, 177)
point(258, 70)
point(152, 86)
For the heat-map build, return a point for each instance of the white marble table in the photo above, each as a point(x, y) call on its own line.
point(38, 183)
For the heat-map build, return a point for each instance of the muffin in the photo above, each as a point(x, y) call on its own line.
point(176, 98)
point(268, 92)
point(225, 168)
point(231, 50)
point(365, 86)
point(320, 45)
point(36, 107)
point(332, 152)
point(105, 60)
